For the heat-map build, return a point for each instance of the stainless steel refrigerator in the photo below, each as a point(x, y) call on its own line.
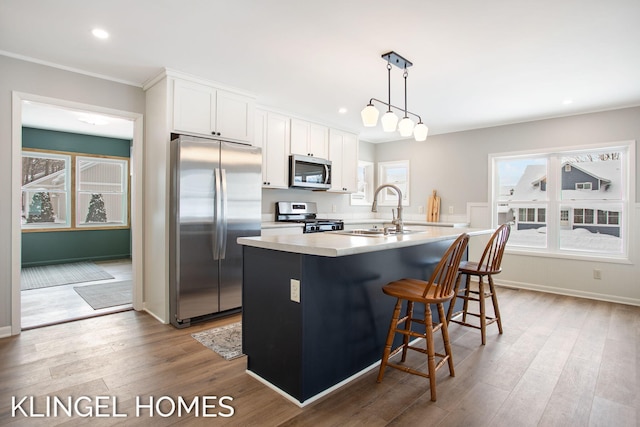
point(215, 198)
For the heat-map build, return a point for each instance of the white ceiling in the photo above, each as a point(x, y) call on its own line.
point(476, 63)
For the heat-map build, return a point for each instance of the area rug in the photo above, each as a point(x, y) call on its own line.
point(61, 274)
point(105, 295)
point(225, 340)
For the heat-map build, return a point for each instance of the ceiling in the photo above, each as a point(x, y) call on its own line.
point(475, 64)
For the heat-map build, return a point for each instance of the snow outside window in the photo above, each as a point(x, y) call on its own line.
point(46, 185)
point(572, 201)
point(364, 192)
point(396, 173)
point(101, 192)
point(100, 186)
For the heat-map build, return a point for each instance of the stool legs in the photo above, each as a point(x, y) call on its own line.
point(494, 299)
point(407, 332)
point(466, 295)
point(483, 312)
point(390, 336)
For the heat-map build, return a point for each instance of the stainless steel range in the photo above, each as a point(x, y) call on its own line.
point(305, 213)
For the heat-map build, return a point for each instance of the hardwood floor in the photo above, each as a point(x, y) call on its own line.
point(58, 304)
point(561, 361)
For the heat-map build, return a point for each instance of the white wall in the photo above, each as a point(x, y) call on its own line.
point(36, 79)
point(456, 165)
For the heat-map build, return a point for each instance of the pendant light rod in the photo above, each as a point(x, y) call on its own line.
point(404, 75)
point(394, 106)
point(389, 83)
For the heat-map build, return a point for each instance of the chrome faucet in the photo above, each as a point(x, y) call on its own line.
point(397, 220)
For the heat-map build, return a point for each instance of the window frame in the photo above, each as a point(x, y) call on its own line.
point(385, 199)
point(124, 191)
point(72, 224)
point(68, 186)
point(556, 206)
point(365, 198)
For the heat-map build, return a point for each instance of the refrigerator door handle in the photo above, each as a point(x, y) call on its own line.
point(223, 209)
point(217, 202)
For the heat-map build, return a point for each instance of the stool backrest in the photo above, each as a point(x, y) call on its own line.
point(444, 276)
point(492, 255)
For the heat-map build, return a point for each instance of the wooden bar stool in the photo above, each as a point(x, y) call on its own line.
point(438, 290)
point(489, 264)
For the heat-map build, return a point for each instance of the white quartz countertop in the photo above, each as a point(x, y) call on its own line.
point(335, 244)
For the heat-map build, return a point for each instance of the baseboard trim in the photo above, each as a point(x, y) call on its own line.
point(317, 396)
point(5, 331)
point(152, 314)
point(569, 292)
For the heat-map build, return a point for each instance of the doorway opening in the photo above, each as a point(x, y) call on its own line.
point(66, 286)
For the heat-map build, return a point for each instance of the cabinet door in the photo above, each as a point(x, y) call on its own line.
point(309, 139)
point(343, 153)
point(335, 155)
point(193, 107)
point(319, 141)
point(234, 116)
point(350, 163)
point(276, 151)
point(260, 139)
point(300, 137)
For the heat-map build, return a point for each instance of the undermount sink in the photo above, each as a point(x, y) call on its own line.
point(375, 232)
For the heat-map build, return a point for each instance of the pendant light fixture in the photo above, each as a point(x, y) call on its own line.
point(389, 120)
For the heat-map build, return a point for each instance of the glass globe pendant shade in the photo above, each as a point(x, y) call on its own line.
point(405, 127)
point(370, 115)
point(420, 132)
point(389, 121)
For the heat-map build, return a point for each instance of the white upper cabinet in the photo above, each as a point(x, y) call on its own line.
point(309, 139)
point(272, 134)
point(205, 110)
point(343, 153)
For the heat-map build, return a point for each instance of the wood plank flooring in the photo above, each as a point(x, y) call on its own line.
point(561, 361)
point(58, 304)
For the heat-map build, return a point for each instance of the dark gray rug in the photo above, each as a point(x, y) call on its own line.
point(61, 274)
point(105, 295)
point(225, 340)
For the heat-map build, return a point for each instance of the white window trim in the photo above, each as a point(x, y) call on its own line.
point(554, 207)
point(44, 226)
point(382, 199)
point(357, 199)
point(124, 193)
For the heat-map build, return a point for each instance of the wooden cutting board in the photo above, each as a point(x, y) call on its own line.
point(433, 208)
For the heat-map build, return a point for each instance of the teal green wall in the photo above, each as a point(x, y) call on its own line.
point(51, 247)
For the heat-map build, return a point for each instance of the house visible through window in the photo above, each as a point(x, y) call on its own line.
point(573, 201)
point(99, 185)
point(46, 185)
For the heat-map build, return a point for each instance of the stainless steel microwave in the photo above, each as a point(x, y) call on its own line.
point(308, 172)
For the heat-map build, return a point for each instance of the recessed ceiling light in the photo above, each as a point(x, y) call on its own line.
point(100, 33)
point(567, 101)
point(342, 110)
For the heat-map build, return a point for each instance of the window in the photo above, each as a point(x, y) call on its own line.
point(99, 188)
point(396, 173)
point(46, 188)
point(583, 186)
point(101, 192)
point(571, 201)
point(364, 193)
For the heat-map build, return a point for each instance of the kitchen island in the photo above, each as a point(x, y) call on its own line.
point(314, 315)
